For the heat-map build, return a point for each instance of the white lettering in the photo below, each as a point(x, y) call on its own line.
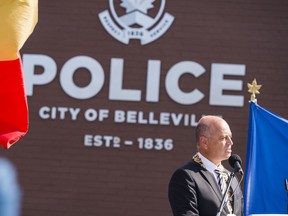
point(219, 84)
point(92, 114)
point(220, 88)
point(46, 112)
point(172, 82)
point(68, 70)
point(153, 80)
point(53, 111)
point(107, 140)
point(116, 91)
point(131, 116)
point(103, 114)
point(176, 118)
point(74, 113)
point(151, 118)
point(62, 111)
point(119, 116)
point(102, 141)
point(141, 119)
point(193, 121)
point(88, 140)
point(97, 140)
point(164, 118)
point(30, 61)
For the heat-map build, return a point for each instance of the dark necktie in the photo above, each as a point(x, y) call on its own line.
point(220, 177)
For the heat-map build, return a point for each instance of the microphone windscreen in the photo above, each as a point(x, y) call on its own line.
point(233, 159)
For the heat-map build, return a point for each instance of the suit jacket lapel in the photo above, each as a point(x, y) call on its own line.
point(209, 177)
point(234, 187)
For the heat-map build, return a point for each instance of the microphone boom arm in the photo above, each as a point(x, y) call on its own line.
point(232, 175)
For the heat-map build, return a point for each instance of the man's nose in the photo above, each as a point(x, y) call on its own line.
point(230, 141)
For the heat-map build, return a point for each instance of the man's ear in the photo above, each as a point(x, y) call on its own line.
point(203, 142)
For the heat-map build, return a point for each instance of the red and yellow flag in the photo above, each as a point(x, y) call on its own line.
point(17, 21)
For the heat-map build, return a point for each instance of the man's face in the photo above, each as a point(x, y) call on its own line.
point(219, 142)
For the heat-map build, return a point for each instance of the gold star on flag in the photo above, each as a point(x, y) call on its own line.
point(253, 89)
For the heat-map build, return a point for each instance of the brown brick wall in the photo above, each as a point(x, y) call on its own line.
point(60, 176)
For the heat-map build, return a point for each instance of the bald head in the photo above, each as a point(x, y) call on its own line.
point(207, 125)
point(214, 138)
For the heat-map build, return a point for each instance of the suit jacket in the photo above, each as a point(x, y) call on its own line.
point(193, 190)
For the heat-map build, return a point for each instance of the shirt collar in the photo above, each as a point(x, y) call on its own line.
point(207, 164)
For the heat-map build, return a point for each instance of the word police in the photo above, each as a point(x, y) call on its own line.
point(218, 83)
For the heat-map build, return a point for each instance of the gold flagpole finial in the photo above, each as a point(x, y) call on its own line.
point(253, 89)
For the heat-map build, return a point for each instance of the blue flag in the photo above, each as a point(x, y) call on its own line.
point(266, 163)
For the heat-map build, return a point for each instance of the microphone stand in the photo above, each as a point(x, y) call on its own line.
point(232, 175)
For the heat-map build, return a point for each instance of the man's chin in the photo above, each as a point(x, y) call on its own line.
point(228, 154)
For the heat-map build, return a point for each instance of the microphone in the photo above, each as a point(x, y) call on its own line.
point(235, 162)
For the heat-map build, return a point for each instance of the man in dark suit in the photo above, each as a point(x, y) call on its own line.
point(196, 188)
